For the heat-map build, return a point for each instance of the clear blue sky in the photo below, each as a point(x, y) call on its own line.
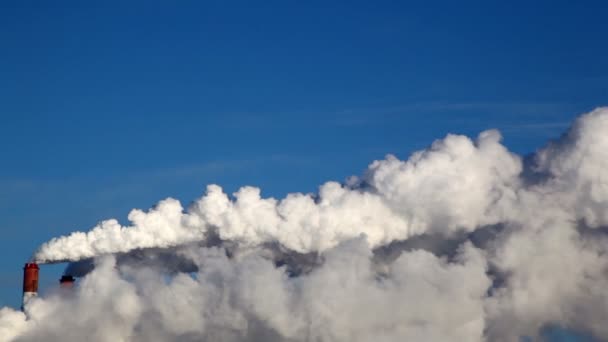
point(110, 107)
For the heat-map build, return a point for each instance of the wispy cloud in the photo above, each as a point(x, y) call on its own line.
point(536, 126)
point(470, 110)
point(36, 192)
point(511, 117)
point(496, 113)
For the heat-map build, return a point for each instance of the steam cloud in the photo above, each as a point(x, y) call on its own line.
point(464, 241)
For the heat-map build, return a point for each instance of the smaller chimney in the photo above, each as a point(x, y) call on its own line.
point(30, 282)
point(66, 282)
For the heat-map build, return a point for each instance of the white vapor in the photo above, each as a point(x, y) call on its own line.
point(464, 241)
point(456, 184)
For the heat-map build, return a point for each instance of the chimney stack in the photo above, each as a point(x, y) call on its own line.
point(66, 282)
point(30, 282)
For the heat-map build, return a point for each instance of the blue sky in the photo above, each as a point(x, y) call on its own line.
point(109, 107)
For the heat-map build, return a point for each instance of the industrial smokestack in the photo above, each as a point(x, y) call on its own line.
point(30, 282)
point(66, 282)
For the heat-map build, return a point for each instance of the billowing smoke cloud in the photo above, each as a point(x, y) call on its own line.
point(464, 241)
point(456, 184)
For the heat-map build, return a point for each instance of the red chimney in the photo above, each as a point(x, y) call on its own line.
point(30, 281)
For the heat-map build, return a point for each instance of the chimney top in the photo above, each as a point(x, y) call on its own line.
point(66, 278)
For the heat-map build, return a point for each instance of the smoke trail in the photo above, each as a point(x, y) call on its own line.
point(455, 185)
point(464, 241)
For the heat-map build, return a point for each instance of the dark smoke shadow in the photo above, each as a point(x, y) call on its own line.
point(171, 261)
point(165, 260)
point(439, 244)
point(447, 247)
point(531, 175)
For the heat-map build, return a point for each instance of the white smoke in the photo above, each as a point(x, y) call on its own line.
point(248, 298)
point(456, 184)
point(464, 241)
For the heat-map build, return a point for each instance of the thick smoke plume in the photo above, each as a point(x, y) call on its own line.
point(464, 241)
point(457, 184)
